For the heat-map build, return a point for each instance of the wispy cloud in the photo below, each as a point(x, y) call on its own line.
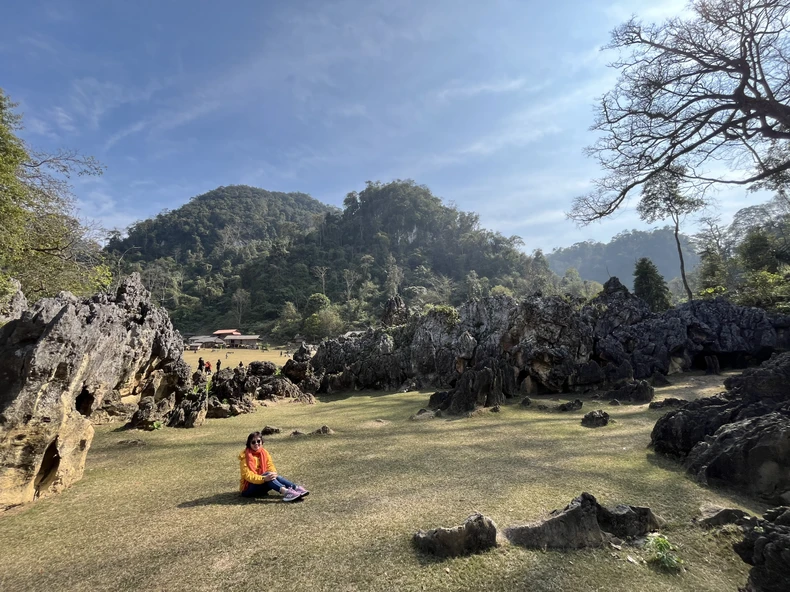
point(458, 90)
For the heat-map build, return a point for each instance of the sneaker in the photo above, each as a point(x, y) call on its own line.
point(301, 491)
point(291, 495)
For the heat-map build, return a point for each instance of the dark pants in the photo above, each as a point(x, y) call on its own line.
point(254, 490)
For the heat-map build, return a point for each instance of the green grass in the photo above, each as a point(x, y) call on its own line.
point(167, 516)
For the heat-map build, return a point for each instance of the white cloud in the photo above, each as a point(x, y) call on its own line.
point(459, 90)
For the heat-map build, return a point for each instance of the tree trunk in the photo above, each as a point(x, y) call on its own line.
point(682, 264)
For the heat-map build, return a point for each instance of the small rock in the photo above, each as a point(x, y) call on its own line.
point(297, 433)
point(270, 430)
point(526, 402)
point(668, 402)
point(496, 409)
point(574, 405)
point(615, 402)
point(658, 380)
point(423, 414)
point(324, 430)
point(131, 443)
point(595, 419)
point(380, 420)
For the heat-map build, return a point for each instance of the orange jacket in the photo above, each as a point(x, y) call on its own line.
point(263, 463)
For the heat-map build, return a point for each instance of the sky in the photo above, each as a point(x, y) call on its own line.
point(489, 104)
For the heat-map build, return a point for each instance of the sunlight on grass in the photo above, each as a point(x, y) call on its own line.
point(167, 515)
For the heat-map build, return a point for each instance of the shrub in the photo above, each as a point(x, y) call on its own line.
point(662, 553)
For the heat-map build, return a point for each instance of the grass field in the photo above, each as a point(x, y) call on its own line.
point(234, 356)
point(167, 515)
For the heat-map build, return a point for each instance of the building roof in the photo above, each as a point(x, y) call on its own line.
point(227, 332)
point(243, 337)
point(205, 339)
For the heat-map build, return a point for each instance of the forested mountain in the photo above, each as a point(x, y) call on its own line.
point(250, 258)
point(599, 261)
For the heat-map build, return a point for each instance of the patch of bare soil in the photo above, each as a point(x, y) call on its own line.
point(690, 386)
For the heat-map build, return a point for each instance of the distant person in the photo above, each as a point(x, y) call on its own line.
point(241, 364)
point(226, 355)
point(208, 367)
point(200, 364)
point(259, 475)
point(219, 364)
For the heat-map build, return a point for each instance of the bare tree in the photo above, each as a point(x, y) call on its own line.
point(351, 277)
point(708, 94)
point(320, 273)
point(663, 198)
point(241, 302)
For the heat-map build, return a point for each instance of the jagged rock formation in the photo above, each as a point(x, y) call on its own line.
point(495, 348)
point(595, 419)
point(395, 312)
point(766, 546)
point(740, 437)
point(64, 359)
point(299, 371)
point(584, 523)
point(476, 534)
point(14, 304)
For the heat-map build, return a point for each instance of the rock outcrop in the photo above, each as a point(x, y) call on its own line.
point(63, 360)
point(496, 348)
point(476, 534)
point(766, 547)
point(595, 419)
point(740, 437)
point(584, 523)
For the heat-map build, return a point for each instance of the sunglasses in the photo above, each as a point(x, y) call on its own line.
point(256, 441)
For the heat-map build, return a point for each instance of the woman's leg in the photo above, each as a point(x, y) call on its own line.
point(284, 482)
point(255, 490)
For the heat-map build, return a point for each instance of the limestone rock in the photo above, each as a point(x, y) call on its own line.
point(324, 430)
point(595, 419)
point(261, 369)
point(766, 547)
point(303, 354)
point(270, 430)
point(395, 312)
point(657, 380)
point(714, 516)
point(584, 523)
point(639, 391)
point(753, 454)
point(475, 535)
point(575, 527)
point(13, 305)
point(668, 402)
point(59, 361)
point(574, 405)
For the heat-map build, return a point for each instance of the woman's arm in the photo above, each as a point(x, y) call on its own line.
point(248, 475)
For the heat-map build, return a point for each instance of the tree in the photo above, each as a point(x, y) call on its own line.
point(662, 198)
point(288, 323)
point(42, 243)
point(241, 302)
point(757, 252)
point(324, 323)
point(350, 277)
point(320, 272)
point(707, 92)
point(316, 303)
point(649, 285)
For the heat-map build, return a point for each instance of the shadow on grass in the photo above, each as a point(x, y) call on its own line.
point(373, 394)
point(228, 498)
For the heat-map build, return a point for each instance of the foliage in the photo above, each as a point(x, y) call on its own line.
point(42, 244)
point(393, 238)
point(662, 553)
point(448, 314)
point(600, 261)
point(696, 93)
point(650, 286)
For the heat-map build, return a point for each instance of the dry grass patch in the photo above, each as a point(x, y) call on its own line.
point(235, 356)
point(167, 515)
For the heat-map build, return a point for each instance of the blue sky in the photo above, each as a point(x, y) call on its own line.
point(487, 103)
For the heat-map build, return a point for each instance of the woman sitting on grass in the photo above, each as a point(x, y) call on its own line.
point(259, 475)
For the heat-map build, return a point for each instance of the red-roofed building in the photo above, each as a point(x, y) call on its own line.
point(223, 333)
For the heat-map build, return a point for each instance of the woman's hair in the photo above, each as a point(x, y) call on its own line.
point(252, 436)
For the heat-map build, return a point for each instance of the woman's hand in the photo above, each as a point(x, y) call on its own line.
point(269, 476)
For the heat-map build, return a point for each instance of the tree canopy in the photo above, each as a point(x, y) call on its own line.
point(706, 95)
point(42, 243)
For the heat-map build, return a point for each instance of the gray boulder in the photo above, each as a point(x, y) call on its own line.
point(475, 535)
point(60, 361)
point(595, 419)
point(766, 547)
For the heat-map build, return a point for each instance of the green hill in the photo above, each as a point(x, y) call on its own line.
point(600, 261)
